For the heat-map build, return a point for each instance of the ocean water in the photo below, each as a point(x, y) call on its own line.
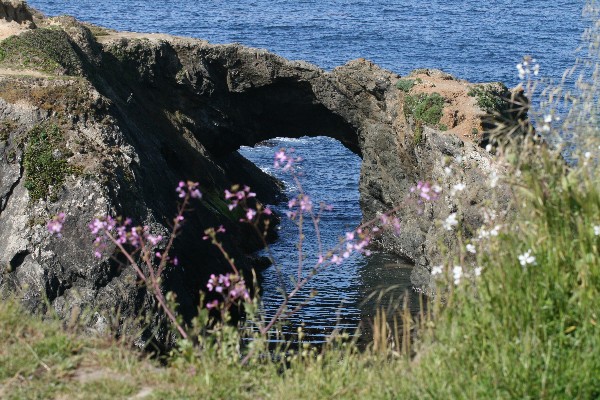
point(471, 39)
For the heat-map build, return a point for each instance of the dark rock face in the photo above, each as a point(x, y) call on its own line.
point(16, 11)
point(146, 111)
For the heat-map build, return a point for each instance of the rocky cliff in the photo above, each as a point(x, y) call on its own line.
point(125, 116)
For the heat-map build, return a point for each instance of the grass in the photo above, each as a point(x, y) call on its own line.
point(529, 332)
point(526, 332)
point(407, 84)
point(425, 110)
point(514, 333)
point(46, 167)
point(48, 50)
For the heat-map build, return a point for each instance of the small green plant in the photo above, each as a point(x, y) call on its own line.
point(407, 84)
point(97, 31)
point(425, 109)
point(45, 165)
point(490, 98)
point(418, 133)
point(48, 50)
point(6, 127)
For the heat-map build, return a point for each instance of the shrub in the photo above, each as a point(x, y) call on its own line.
point(490, 98)
point(425, 109)
point(44, 162)
point(407, 84)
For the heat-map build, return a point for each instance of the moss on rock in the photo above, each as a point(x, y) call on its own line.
point(46, 167)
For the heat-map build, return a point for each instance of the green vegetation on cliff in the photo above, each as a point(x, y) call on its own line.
point(48, 50)
point(528, 327)
point(425, 109)
point(44, 162)
point(407, 84)
point(491, 98)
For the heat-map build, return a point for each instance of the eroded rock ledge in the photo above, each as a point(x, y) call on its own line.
point(138, 112)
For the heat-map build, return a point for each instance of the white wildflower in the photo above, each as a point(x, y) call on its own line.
point(489, 216)
point(587, 155)
point(477, 271)
point(597, 230)
point(493, 179)
point(437, 270)
point(521, 71)
point(488, 148)
point(450, 222)
point(527, 259)
point(457, 273)
point(437, 189)
point(448, 171)
point(547, 118)
point(483, 234)
point(495, 230)
point(471, 248)
point(459, 187)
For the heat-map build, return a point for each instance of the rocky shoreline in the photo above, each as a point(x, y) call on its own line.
point(136, 113)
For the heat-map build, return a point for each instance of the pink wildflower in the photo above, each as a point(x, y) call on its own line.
point(212, 304)
point(55, 225)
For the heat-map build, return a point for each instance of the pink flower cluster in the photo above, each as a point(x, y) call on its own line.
point(55, 225)
point(211, 233)
point(356, 241)
point(284, 161)
point(238, 197)
point(426, 192)
point(302, 204)
point(231, 286)
point(392, 222)
point(188, 188)
point(108, 229)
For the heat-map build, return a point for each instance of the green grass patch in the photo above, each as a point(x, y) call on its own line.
point(528, 331)
point(44, 161)
point(46, 50)
point(515, 332)
point(97, 31)
point(425, 110)
point(6, 127)
point(491, 98)
point(407, 84)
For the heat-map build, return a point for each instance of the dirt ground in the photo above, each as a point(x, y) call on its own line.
point(461, 114)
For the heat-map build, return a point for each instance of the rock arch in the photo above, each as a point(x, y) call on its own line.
point(144, 111)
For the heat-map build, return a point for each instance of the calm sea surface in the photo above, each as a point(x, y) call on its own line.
point(472, 39)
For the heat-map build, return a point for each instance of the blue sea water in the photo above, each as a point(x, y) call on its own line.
point(471, 39)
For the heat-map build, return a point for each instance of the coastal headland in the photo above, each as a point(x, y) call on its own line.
point(125, 116)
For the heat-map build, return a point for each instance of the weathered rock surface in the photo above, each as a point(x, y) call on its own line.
point(139, 112)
